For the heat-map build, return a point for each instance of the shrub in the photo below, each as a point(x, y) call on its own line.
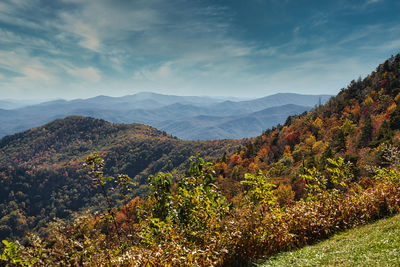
point(190, 222)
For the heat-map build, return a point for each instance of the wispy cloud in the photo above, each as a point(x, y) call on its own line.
point(87, 35)
point(373, 1)
point(36, 73)
point(93, 47)
point(88, 74)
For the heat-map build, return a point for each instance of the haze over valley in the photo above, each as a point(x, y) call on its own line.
point(188, 118)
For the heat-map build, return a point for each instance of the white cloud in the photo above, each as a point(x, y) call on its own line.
point(88, 74)
point(392, 46)
point(32, 79)
point(21, 62)
point(165, 74)
point(88, 35)
point(175, 45)
point(37, 73)
point(267, 51)
point(177, 39)
point(27, 42)
point(149, 28)
point(13, 12)
point(361, 33)
point(373, 1)
point(97, 22)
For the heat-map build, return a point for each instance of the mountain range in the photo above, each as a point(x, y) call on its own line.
point(327, 157)
point(187, 117)
point(14, 103)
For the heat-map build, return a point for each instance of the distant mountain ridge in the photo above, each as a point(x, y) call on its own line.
point(14, 104)
point(166, 112)
point(275, 100)
point(218, 127)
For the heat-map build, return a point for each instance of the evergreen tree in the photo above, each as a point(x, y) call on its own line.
point(366, 132)
point(395, 119)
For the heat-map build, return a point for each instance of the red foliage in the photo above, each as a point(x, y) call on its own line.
point(292, 139)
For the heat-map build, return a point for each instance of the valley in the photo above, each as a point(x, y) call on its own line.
point(43, 175)
point(188, 118)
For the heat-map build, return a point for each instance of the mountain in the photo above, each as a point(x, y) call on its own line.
point(206, 127)
point(42, 174)
point(144, 100)
point(275, 100)
point(353, 125)
point(323, 171)
point(281, 99)
point(166, 112)
point(14, 104)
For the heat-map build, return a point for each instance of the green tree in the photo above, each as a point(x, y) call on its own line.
point(395, 119)
point(258, 189)
point(366, 132)
point(160, 195)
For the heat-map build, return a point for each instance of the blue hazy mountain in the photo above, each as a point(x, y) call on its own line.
point(218, 127)
point(14, 104)
point(187, 117)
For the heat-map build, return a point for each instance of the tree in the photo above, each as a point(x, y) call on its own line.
point(395, 119)
point(339, 142)
point(384, 135)
point(366, 132)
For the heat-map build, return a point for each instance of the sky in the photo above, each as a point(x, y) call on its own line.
point(242, 48)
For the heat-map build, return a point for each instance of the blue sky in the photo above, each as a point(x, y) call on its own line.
point(246, 48)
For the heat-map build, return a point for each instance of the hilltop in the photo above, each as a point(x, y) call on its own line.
point(42, 174)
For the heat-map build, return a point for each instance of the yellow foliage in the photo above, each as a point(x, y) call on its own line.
point(318, 123)
point(253, 168)
point(310, 140)
point(318, 147)
point(397, 98)
point(348, 127)
point(373, 93)
point(284, 194)
point(287, 151)
point(368, 101)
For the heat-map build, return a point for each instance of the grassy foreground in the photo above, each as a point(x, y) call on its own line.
point(376, 244)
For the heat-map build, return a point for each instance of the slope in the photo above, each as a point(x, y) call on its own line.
point(42, 174)
point(376, 244)
point(353, 125)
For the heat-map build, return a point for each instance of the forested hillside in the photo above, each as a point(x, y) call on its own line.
point(352, 125)
point(331, 169)
point(42, 174)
